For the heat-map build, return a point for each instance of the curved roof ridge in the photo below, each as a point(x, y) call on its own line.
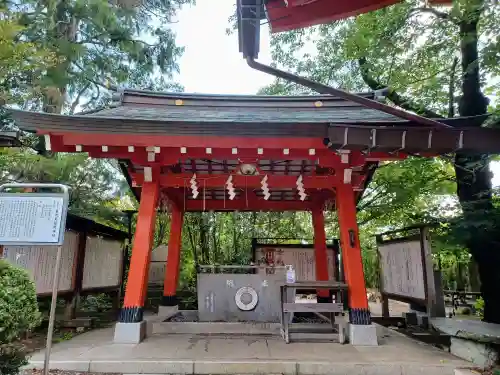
point(249, 97)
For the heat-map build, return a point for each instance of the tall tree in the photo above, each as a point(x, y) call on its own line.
point(99, 44)
point(436, 62)
point(22, 62)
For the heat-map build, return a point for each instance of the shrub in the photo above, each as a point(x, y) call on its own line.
point(97, 303)
point(18, 315)
point(479, 305)
point(12, 357)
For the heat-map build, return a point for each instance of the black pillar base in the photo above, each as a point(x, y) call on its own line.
point(169, 301)
point(360, 316)
point(321, 299)
point(130, 315)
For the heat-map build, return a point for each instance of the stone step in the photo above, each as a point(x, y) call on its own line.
point(246, 367)
point(242, 328)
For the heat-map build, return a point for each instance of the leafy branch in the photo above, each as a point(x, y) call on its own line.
point(392, 95)
point(434, 12)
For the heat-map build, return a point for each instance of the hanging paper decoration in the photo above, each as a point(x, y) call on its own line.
point(230, 188)
point(300, 188)
point(194, 186)
point(265, 188)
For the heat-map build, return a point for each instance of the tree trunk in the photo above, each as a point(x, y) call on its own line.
point(204, 246)
point(473, 173)
point(64, 29)
point(475, 284)
point(472, 169)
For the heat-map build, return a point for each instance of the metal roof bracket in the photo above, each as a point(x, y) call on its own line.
point(403, 144)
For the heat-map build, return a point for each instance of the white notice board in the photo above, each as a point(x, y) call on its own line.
point(32, 218)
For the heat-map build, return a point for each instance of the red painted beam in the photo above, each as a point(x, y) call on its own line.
point(247, 201)
point(218, 148)
point(320, 251)
point(242, 205)
point(173, 256)
point(351, 248)
point(170, 155)
point(141, 250)
point(239, 181)
point(315, 12)
point(188, 141)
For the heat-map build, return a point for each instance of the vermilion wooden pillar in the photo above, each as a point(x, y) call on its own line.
point(359, 312)
point(320, 254)
point(137, 281)
point(173, 259)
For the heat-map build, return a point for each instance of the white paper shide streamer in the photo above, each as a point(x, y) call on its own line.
point(300, 188)
point(194, 186)
point(230, 188)
point(265, 188)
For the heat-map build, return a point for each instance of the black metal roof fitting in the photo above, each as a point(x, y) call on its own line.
point(250, 12)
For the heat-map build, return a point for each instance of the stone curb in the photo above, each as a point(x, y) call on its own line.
point(205, 367)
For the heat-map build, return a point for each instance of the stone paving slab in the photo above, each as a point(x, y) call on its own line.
point(468, 329)
point(231, 354)
point(154, 367)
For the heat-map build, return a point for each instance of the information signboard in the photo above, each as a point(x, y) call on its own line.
point(402, 270)
point(32, 218)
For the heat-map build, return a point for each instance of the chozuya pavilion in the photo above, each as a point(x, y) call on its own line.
point(247, 153)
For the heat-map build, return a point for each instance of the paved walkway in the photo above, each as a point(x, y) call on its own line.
point(219, 354)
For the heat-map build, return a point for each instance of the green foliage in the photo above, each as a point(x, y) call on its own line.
point(479, 306)
point(96, 185)
point(99, 44)
point(22, 62)
point(18, 314)
point(64, 336)
point(18, 306)
point(418, 52)
point(225, 238)
point(411, 48)
point(12, 357)
point(96, 303)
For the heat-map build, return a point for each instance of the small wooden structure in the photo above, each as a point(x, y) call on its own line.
point(191, 152)
point(92, 262)
point(337, 327)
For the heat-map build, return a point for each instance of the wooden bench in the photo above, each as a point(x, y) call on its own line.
point(335, 331)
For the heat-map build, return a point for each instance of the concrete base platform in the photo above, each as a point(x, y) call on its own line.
point(129, 333)
point(167, 312)
point(209, 328)
point(363, 335)
point(244, 354)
